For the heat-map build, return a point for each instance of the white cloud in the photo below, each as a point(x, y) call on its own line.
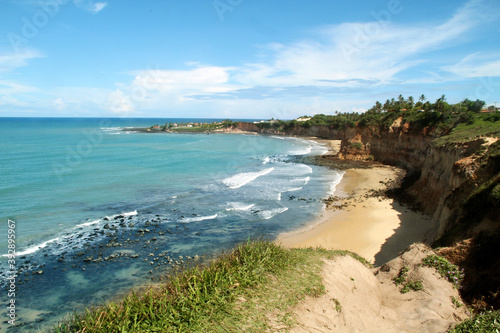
point(199, 79)
point(59, 104)
point(90, 6)
point(306, 77)
point(476, 65)
point(120, 103)
point(11, 61)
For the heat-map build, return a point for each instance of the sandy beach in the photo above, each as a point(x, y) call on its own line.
point(372, 225)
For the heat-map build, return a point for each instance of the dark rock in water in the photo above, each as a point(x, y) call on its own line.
point(122, 220)
point(106, 226)
point(105, 219)
point(119, 217)
point(40, 272)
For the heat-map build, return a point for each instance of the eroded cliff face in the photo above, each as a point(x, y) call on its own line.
point(444, 176)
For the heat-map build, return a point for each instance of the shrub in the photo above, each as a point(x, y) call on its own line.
point(483, 323)
point(446, 269)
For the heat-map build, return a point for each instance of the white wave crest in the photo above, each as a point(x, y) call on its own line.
point(130, 213)
point(269, 214)
point(88, 224)
point(198, 218)
point(239, 206)
point(34, 248)
point(294, 189)
point(244, 178)
point(333, 185)
point(304, 151)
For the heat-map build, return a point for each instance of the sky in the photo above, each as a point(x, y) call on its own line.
point(246, 59)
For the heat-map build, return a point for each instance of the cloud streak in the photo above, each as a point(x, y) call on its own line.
point(333, 59)
point(90, 6)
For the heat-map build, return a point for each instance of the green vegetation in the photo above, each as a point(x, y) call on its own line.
point(402, 275)
point(357, 145)
point(412, 285)
point(456, 302)
point(407, 285)
point(446, 269)
point(462, 119)
point(482, 125)
point(254, 286)
point(338, 306)
point(487, 322)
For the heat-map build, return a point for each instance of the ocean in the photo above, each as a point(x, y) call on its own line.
point(98, 210)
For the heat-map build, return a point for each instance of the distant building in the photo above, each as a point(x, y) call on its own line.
point(490, 110)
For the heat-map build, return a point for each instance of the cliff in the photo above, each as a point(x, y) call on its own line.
point(442, 175)
point(452, 176)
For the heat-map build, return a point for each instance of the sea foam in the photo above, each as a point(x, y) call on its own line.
point(269, 214)
point(244, 178)
point(239, 206)
point(199, 218)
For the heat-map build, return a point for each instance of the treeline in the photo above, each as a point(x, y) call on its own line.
point(421, 113)
point(194, 126)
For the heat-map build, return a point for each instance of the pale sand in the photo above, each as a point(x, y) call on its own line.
point(376, 228)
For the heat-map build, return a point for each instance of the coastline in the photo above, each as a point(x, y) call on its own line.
point(366, 221)
point(363, 220)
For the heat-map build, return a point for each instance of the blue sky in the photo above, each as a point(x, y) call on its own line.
point(241, 58)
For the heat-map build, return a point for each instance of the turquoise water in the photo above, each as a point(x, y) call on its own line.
point(74, 186)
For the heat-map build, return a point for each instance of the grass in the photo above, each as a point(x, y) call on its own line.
point(402, 275)
point(456, 302)
point(407, 285)
point(252, 288)
point(446, 269)
point(465, 132)
point(412, 285)
point(338, 306)
point(487, 322)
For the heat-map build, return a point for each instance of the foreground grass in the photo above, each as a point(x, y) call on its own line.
point(487, 322)
point(254, 288)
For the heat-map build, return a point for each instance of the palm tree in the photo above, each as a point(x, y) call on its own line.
point(422, 98)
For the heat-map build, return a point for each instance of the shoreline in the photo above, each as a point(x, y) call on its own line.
point(362, 219)
point(366, 221)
